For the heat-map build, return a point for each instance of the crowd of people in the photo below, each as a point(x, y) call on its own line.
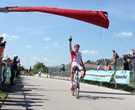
point(8, 65)
point(126, 62)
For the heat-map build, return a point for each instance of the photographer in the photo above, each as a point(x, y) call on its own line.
point(132, 57)
point(2, 47)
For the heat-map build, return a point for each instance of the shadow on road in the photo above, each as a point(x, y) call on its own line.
point(106, 93)
point(84, 97)
point(20, 96)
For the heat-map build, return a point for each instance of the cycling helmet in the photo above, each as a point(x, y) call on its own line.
point(77, 45)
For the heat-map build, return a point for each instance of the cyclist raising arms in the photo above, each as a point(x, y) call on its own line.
point(76, 61)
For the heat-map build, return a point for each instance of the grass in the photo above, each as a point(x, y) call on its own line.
point(2, 95)
point(4, 89)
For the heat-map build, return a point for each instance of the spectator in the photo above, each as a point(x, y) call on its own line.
point(99, 67)
point(18, 68)
point(62, 68)
point(132, 57)
point(115, 56)
point(125, 64)
point(130, 63)
point(13, 69)
point(50, 73)
point(2, 47)
point(3, 72)
point(107, 66)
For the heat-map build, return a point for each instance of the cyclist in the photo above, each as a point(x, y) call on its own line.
point(76, 61)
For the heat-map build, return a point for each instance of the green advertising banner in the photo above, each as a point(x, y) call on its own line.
point(99, 75)
point(122, 77)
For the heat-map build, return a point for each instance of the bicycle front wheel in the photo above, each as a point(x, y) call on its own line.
point(73, 92)
point(77, 92)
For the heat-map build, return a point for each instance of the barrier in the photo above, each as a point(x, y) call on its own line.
point(118, 76)
point(5, 74)
point(98, 75)
point(105, 76)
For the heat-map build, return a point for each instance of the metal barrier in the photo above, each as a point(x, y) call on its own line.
point(62, 74)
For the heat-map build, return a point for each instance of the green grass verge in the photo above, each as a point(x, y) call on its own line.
point(2, 95)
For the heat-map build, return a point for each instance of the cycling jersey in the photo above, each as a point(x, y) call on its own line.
point(75, 59)
point(76, 56)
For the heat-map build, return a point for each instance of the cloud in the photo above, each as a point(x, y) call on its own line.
point(35, 59)
point(45, 59)
point(29, 46)
point(124, 34)
point(47, 38)
point(8, 37)
point(56, 44)
point(85, 51)
point(44, 47)
point(93, 52)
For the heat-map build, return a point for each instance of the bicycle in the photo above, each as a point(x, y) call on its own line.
point(76, 83)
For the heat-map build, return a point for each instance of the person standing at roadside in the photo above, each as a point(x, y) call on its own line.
point(107, 66)
point(2, 47)
point(115, 56)
point(132, 57)
point(13, 69)
point(99, 67)
point(18, 68)
point(125, 64)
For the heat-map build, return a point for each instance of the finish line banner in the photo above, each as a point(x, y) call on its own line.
point(122, 77)
point(99, 75)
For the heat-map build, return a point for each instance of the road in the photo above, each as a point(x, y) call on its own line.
point(39, 93)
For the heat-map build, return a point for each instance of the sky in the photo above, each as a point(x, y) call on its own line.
point(42, 37)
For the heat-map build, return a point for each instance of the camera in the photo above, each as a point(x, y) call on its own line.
point(3, 44)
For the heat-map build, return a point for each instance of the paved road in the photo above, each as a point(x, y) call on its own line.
point(38, 93)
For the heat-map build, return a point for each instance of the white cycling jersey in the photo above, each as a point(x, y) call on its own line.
point(75, 59)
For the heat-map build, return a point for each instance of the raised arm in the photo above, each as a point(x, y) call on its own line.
point(131, 57)
point(70, 44)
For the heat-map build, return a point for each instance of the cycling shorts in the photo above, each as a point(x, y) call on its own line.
point(75, 64)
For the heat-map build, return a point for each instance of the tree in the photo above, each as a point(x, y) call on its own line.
point(37, 67)
point(88, 62)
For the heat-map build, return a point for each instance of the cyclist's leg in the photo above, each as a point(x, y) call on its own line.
point(74, 64)
point(82, 73)
point(72, 75)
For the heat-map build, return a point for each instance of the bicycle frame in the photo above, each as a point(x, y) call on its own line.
point(76, 87)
